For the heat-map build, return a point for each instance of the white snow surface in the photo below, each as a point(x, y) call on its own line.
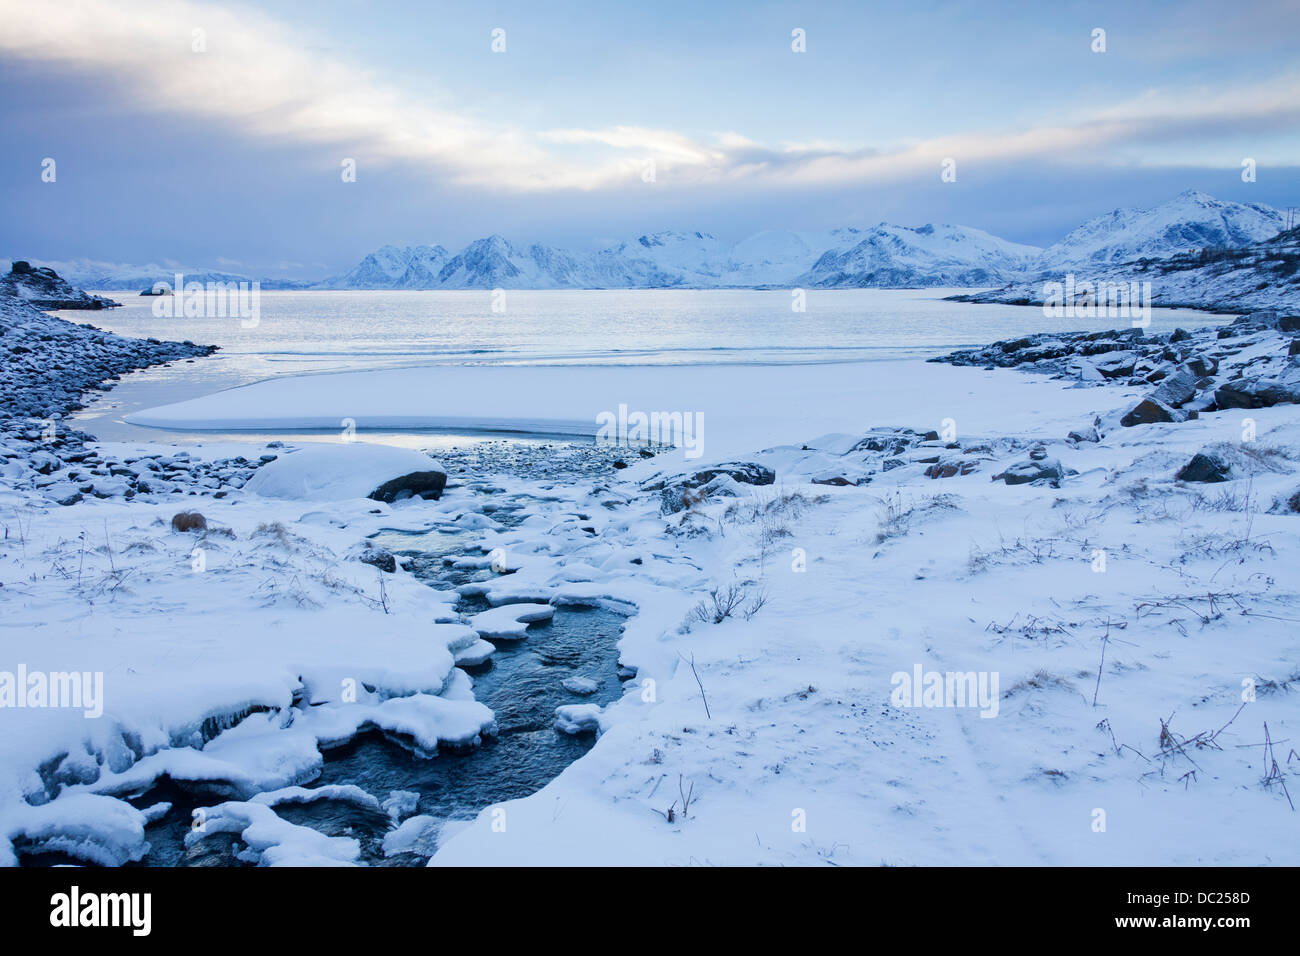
point(776, 726)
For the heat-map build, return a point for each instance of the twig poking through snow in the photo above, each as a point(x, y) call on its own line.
point(701, 686)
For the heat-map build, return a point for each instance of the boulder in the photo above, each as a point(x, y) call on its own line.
point(377, 557)
point(342, 470)
point(1205, 467)
point(1150, 410)
point(678, 494)
point(1031, 470)
point(1264, 319)
point(949, 467)
point(1177, 389)
point(577, 718)
point(1260, 391)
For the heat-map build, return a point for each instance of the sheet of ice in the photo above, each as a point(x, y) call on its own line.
point(744, 408)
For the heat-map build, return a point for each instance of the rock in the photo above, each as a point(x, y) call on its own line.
point(577, 718)
point(1287, 503)
point(1260, 391)
point(189, 521)
point(683, 492)
point(427, 484)
point(1177, 389)
point(1118, 365)
point(1025, 472)
point(378, 557)
point(1294, 347)
point(950, 467)
point(1289, 323)
point(1151, 410)
point(1037, 453)
point(1205, 467)
point(1084, 434)
point(1264, 319)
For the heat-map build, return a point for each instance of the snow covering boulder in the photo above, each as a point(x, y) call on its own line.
point(1031, 470)
point(577, 718)
point(370, 553)
point(1261, 391)
point(680, 493)
point(947, 467)
point(335, 472)
point(1150, 410)
point(1287, 503)
point(1177, 389)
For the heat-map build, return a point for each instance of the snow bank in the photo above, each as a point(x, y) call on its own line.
point(337, 471)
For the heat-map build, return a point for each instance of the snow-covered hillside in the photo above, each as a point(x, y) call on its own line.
point(885, 256)
point(1262, 276)
point(902, 257)
point(1190, 221)
point(391, 267)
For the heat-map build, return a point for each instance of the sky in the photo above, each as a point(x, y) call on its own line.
point(218, 134)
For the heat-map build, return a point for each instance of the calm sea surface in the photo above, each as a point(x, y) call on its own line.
point(308, 332)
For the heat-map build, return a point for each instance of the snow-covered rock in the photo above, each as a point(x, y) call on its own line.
point(509, 622)
point(333, 472)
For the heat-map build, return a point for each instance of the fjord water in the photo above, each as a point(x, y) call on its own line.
point(307, 332)
point(318, 331)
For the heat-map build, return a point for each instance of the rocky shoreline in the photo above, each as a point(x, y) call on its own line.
point(52, 368)
point(1254, 362)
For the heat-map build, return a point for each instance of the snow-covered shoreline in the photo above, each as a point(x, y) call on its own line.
point(757, 724)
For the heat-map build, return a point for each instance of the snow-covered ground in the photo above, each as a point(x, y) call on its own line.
point(1130, 638)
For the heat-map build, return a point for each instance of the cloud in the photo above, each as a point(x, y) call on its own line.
point(258, 78)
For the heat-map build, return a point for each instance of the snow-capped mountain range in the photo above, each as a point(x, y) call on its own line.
point(883, 256)
point(1192, 220)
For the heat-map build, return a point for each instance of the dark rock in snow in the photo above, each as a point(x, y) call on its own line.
point(1150, 410)
point(1261, 391)
point(378, 557)
point(1205, 467)
point(1177, 389)
point(426, 484)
